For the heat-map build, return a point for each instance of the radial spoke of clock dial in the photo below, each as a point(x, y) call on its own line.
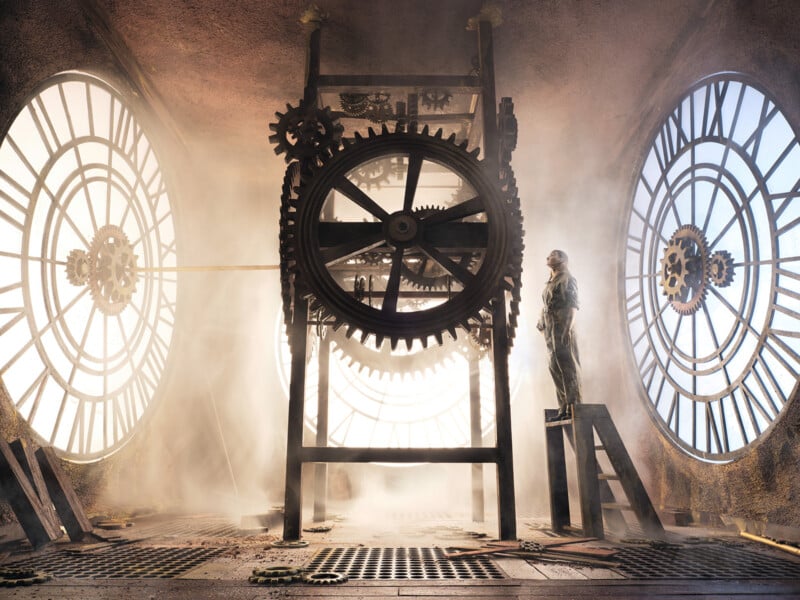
point(83, 206)
point(712, 268)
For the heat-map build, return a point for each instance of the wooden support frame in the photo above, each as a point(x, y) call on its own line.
point(40, 494)
point(502, 453)
point(596, 497)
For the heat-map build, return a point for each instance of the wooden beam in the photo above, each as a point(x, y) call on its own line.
point(399, 455)
point(23, 500)
point(26, 457)
point(68, 506)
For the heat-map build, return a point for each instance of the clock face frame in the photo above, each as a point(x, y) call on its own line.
point(711, 268)
point(86, 318)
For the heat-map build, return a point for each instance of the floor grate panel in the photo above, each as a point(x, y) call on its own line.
point(121, 562)
point(401, 563)
point(703, 561)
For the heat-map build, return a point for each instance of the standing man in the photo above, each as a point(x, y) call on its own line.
point(557, 323)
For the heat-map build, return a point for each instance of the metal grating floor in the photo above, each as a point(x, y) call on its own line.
point(124, 561)
point(401, 563)
point(703, 561)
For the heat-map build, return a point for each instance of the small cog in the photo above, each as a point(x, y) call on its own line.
point(79, 267)
point(305, 132)
point(325, 578)
point(435, 99)
point(720, 270)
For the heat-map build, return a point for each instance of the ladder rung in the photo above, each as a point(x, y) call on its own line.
point(615, 506)
point(600, 447)
point(608, 476)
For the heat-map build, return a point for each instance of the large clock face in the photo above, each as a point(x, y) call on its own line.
point(86, 318)
point(712, 268)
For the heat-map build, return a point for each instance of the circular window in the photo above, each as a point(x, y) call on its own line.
point(712, 268)
point(86, 316)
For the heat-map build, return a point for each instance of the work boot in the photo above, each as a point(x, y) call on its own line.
point(564, 414)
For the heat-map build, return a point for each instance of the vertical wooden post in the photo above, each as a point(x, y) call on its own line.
point(293, 503)
point(588, 487)
point(476, 435)
point(507, 511)
point(557, 473)
point(321, 469)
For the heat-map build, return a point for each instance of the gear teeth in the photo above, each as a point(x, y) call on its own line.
point(424, 340)
point(384, 129)
point(474, 152)
point(439, 338)
point(371, 132)
point(452, 331)
point(350, 331)
point(439, 133)
point(364, 336)
point(393, 342)
point(425, 130)
point(398, 127)
point(452, 138)
point(378, 341)
point(358, 137)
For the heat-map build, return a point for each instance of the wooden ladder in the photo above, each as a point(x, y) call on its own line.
point(597, 498)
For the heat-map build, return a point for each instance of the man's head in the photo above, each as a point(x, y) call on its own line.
point(556, 259)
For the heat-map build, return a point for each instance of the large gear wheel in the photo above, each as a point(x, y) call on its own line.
point(326, 249)
point(383, 362)
point(684, 269)
point(113, 276)
point(305, 132)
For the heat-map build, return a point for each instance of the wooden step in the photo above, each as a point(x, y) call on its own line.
point(615, 506)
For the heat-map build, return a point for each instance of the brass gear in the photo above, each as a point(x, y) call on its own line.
point(79, 267)
point(684, 269)
point(720, 270)
point(113, 277)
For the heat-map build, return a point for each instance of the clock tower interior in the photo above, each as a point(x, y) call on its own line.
point(273, 258)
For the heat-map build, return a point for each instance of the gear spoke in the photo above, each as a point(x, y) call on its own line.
point(342, 252)
point(471, 207)
point(393, 286)
point(354, 193)
point(456, 270)
point(412, 178)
